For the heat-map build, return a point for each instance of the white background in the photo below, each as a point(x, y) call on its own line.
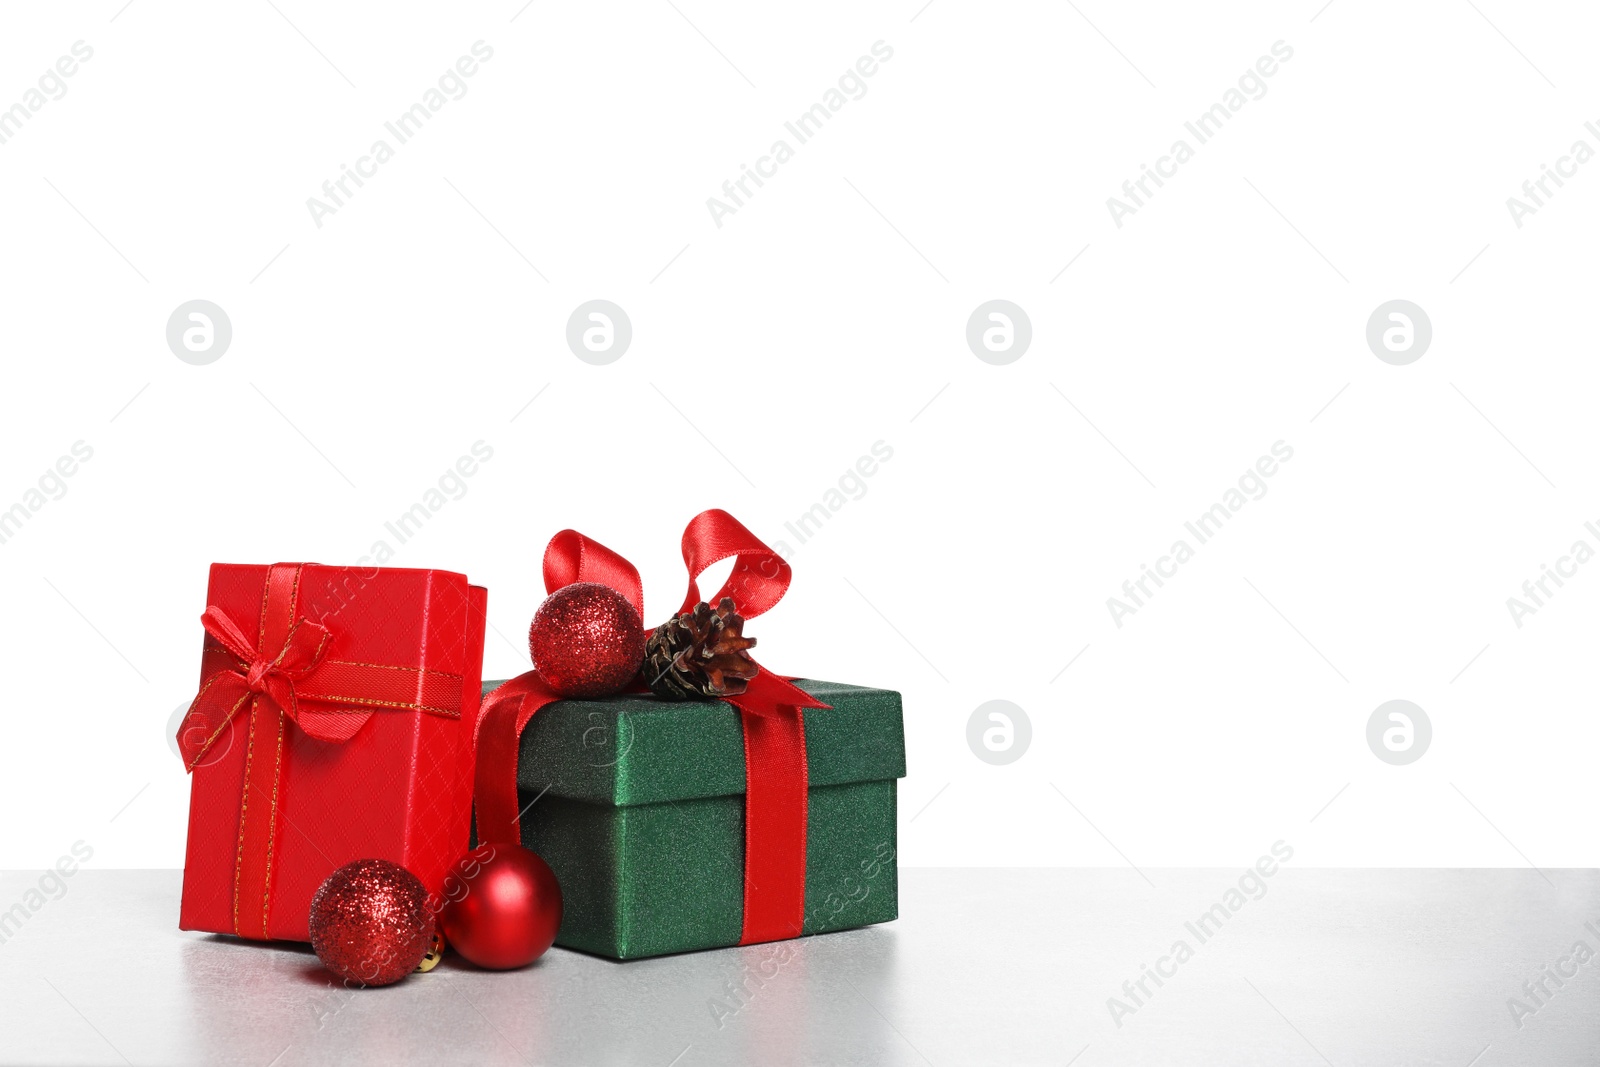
point(827, 314)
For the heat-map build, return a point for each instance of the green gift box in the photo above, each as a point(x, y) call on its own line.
point(638, 806)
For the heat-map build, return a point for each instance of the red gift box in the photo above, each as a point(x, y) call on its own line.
point(333, 723)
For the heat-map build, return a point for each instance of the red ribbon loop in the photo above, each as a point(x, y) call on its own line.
point(571, 557)
point(759, 577)
point(771, 710)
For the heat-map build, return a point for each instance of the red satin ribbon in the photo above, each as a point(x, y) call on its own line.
point(328, 699)
point(771, 710)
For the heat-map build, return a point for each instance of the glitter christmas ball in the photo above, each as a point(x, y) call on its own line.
point(587, 640)
point(370, 922)
point(510, 910)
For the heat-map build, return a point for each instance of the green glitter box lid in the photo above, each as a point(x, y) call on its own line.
point(635, 749)
point(637, 804)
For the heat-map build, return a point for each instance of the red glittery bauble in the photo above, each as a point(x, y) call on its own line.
point(587, 640)
point(370, 922)
point(502, 907)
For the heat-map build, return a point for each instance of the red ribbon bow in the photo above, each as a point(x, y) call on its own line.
point(228, 690)
point(771, 710)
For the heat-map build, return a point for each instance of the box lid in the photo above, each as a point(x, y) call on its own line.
point(634, 749)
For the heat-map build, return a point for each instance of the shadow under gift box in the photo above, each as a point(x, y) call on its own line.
point(641, 815)
point(399, 789)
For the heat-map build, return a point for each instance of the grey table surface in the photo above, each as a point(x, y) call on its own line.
point(1338, 968)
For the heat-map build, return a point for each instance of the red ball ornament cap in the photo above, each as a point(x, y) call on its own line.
point(370, 922)
point(502, 907)
point(587, 640)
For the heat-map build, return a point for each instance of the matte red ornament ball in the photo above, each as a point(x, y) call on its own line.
point(370, 922)
point(505, 909)
point(587, 640)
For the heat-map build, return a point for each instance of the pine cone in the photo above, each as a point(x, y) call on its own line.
point(700, 653)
